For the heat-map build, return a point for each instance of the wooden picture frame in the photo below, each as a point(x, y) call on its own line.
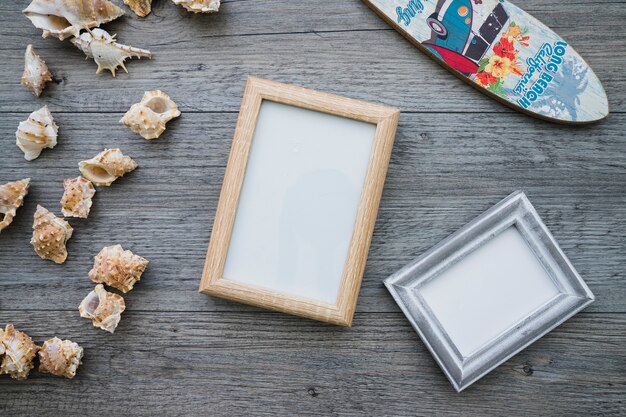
point(257, 92)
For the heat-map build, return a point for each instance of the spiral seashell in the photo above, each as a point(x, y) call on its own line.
point(149, 116)
point(106, 167)
point(50, 234)
point(117, 268)
point(104, 49)
point(103, 308)
point(19, 351)
point(36, 73)
point(142, 8)
point(76, 200)
point(199, 6)
point(36, 133)
point(11, 198)
point(65, 18)
point(60, 357)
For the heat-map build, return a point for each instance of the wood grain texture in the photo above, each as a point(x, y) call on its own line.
point(456, 153)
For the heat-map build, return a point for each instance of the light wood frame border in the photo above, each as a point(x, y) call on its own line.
point(386, 120)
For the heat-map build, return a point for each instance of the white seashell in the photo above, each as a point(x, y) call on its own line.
point(50, 234)
point(19, 351)
point(65, 18)
point(76, 200)
point(60, 357)
point(117, 268)
point(36, 73)
point(103, 308)
point(107, 53)
point(142, 8)
point(37, 132)
point(199, 6)
point(11, 198)
point(106, 167)
point(149, 116)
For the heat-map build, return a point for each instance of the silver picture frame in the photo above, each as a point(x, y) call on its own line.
point(515, 210)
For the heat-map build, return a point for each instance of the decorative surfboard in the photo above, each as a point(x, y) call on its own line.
point(504, 52)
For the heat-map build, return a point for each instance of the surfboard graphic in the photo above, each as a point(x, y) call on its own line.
point(504, 52)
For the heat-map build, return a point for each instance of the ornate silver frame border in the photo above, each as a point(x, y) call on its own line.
point(514, 210)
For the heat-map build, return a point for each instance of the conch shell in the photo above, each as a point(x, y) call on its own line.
point(65, 18)
point(106, 167)
point(11, 198)
point(60, 357)
point(107, 53)
point(117, 268)
point(149, 116)
point(36, 73)
point(35, 133)
point(199, 6)
point(76, 201)
point(103, 308)
point(50, 234)
point(141, 8)
point(19, 352)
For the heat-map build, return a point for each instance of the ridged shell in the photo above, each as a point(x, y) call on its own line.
point(103, 308)
point(50, 234)
point(19, 352)
point(149, 116)
point(141, 8)
point(36, 73)
point(76, 200)
point(199, 6)
point(104, 49)
point(36, 133)
point(65, 18)
point(117, 268)
point(60, 357)
point(11, 198)
point(106, 167)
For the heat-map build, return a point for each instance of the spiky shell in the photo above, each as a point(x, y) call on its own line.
point(141, 8)
point(60, 357)
point(117, 268)
point(106, 167)
point(76, 200)
point(36, 73)
point(11, 198)
point(149, 116)
point(108, 54)
point(65, 18)
point(199, 6)
point(103, 308)
point(50, 235)
point(36, 133)
point(19, 352)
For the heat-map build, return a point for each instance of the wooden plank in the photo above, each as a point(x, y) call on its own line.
point(440, 177)
point(274, 364)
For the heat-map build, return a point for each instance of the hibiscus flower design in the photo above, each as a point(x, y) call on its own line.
point(485, 79)
point(505, 49)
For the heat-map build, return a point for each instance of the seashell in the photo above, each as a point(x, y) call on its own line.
point(11, 198)
point(35, 133)
point(149, 116)
point(142, 8)
point(104, 49)
point(65, 18)
point(103, 308)
point(60, 357)
point(50, 234)
point(199, 6)
point(106, 167)
point(19, 352)
point(117, 268)
point(76, 200)
point(36, 73)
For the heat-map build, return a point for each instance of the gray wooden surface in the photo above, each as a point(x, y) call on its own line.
point(177, 352)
